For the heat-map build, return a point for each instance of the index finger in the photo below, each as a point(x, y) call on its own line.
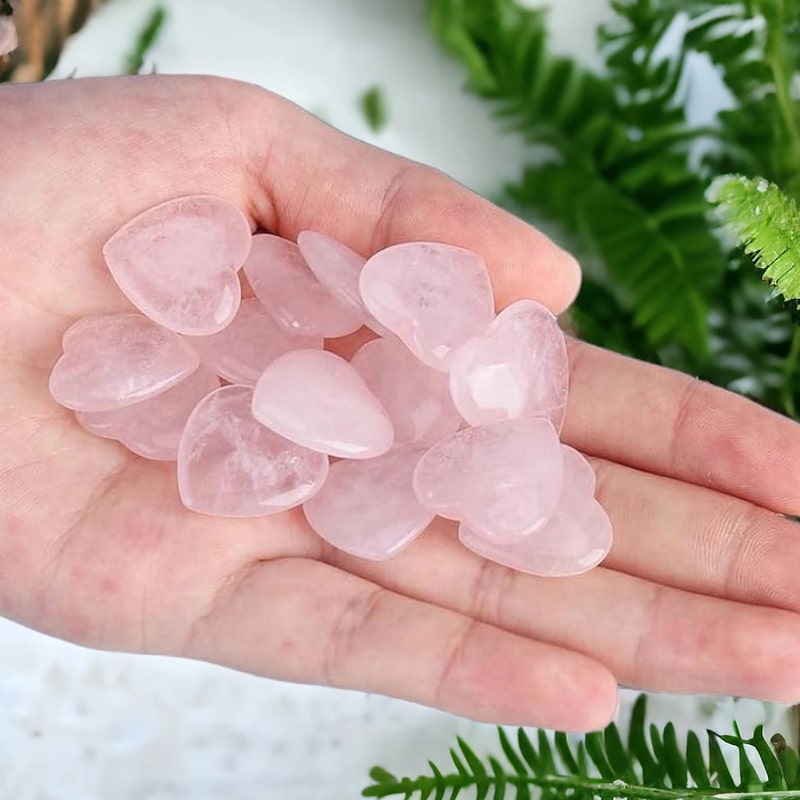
point(138, 141)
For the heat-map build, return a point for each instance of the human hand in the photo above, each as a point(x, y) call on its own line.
point(698, 594)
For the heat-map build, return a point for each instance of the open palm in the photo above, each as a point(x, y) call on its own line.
point(698, 594)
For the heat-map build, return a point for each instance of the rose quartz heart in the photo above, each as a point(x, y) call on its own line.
point(504, 478)
point(577, 538)
point(433, 296)
point(285, 285)
point(242, 351)
point(415, 396)
point(338, 269)
point(318, 400)
point(368, 508)
point(153, 428)
point(177, 263)
point(518, 368)
point(230, 465)
point(117, 360)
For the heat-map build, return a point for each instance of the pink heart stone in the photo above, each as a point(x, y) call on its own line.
point(433, 296)
point(338, 269)
point(517, 369)
point(317, 399)
point(503, 478)
point(242, 351)
point(230, 465)
point(153, 428)
point(368, 508)
point(117, 360)
point(577, 538)
point(177, 263)
point(415, 396)
point(285, 285)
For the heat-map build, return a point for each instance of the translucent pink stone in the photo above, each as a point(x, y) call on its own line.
point(518, 368)
point(503, 478)
point(230, 465)
point(368, 508)
point(338, 269)
point(177, 263)
point(577, 538)
point(117, 360)
point(433, 296)
point(153, 428)
point(285, 285)
point(242, 351)
point(317, 399)
point(415, 396)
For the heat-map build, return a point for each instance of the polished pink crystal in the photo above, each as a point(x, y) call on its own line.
point(153, 428)
point(285, 285)
point(433, 296)
point(242, 351)
point(338, 268)
point(503, 478)
point(317, 399)
point(518, 368)
point(415, 396)
point(577, 538)
point(230, 465)
point(177, 263)
point(368, 508)
point(117, 360)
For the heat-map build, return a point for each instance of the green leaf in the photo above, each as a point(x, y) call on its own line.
point(374, 108)
point(696, 761)
point(596, 750)
point(499, 779)
point(676, 764)
point(145, 40)
point(508, 750)
point(529, 753)
point(618, 757)
point(459, 764)
point(718, 766)
point(565, 754)
point(380, 775)
point(766, 223)
point(789, 761)
point(769, 760)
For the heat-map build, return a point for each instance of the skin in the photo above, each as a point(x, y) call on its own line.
point(698, 595)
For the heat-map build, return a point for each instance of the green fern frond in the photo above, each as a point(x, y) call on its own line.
point(621, 185)
point(766, 223)
point(653, 765)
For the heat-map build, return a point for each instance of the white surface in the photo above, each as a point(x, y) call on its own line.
point(75, 724)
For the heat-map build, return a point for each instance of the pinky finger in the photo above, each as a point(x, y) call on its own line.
point(306, 621)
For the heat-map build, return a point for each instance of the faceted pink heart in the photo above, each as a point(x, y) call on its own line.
point(517, 369)
point(338, 269)
point(415, 396)
point(230, 465)
point(242, 351)
point(433, 296)
point(318, 400)
point(153, 428)
point(577, 538)
point(503, 478)
point(177, 263)
point(368, 508)
point(287, 288)
point(114, 361)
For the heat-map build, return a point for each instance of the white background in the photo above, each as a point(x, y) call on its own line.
point(80, 725)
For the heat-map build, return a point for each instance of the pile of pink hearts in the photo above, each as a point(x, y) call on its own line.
point(450, 411)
